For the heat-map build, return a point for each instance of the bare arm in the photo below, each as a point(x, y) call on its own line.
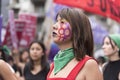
point(92, 71)
point(5, 71)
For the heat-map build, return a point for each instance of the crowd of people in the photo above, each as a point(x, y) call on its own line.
point(73, 60)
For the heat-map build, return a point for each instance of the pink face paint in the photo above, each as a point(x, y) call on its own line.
point(64, 31)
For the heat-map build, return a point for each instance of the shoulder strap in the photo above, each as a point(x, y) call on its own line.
point(78, 67)
point(51, 68)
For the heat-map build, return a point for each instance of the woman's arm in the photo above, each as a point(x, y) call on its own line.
point(5, 71)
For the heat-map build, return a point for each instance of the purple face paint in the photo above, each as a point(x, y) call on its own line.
point(64, 31)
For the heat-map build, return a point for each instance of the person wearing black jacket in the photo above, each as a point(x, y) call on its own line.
point(111, 47)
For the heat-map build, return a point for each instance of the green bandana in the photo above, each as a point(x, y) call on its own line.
point(116, 39)
point(62, 58)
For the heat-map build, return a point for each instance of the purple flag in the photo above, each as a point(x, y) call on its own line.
point(13, 29)
point(0, 28)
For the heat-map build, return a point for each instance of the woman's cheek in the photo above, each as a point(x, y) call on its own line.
point(64, 32)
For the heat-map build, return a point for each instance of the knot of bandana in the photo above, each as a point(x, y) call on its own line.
point(62, 58)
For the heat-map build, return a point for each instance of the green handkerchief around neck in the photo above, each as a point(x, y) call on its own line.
point(62, 58)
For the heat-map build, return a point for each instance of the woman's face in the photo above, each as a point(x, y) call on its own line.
point(25, 56)
point(36, 52)
point(61, 30)
point(107, 47)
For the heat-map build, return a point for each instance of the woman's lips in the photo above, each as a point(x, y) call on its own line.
point(54, 34)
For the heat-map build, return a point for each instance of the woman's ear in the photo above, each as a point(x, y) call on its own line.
point(116, 47)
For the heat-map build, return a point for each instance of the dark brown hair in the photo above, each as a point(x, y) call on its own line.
point(4, 55)
point(81, 32)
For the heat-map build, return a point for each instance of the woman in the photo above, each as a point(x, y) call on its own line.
point(6, 71)
point(72, 32)
point(22, 59)
point(37, 68)
point(111, 49)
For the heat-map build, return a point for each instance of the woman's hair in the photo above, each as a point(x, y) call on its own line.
point(82, 38)
point(4, 55)
point(43, 59)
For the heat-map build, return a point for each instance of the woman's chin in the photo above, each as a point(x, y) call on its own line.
point(57, 41)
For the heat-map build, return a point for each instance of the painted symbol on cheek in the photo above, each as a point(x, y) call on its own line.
point(64, 31)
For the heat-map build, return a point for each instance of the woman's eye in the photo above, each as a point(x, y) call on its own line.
point(38, 48)
point(107, 43)
point(32, 48)
point(56, 20)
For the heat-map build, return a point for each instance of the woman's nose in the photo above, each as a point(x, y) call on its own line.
point(34, 51)
point(55, 27)
point(103, 46)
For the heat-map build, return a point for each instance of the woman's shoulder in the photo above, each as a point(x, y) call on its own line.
point(89, 69)
point(91, 66)
point(88, 61)
point(91, 63)
point(3, 66)
point(2, 63)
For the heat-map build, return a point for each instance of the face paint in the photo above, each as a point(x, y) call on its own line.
point(64, 31)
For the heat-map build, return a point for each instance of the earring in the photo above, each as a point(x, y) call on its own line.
point(118, 50)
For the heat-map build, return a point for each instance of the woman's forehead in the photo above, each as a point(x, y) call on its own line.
point(106, 39)
point(60, 18)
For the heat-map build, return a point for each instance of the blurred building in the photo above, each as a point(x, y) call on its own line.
point(4, 11)
point(45, 11)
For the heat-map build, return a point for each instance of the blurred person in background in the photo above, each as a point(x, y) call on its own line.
point(14, 61)
point(21, 58)
point(101, 60)
point(111, 47)
point(4, 53)
point(73, 35)
point(53, 51)
point(37, 67)
point(6, 71)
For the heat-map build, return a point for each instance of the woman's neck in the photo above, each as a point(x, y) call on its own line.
point(37, 62)
point(65, 46)
point(114, 57)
